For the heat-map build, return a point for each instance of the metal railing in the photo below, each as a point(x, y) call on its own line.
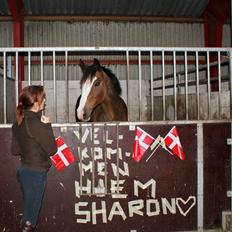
point(155, 80)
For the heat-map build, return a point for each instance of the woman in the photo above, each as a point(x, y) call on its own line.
point(33, 140)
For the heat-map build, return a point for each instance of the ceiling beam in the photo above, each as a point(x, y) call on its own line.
point(74, 18)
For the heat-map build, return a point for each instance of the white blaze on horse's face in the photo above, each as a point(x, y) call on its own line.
point(86, 88)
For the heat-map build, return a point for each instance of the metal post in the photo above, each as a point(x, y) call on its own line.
point(67, 86)
point(29, 68)
point(208, 87)
point(152, 90)
point(127, 82)
point(140, 86)
point(54, 86)
point(41, 68)
point(186, 84)
point(197, 82)
point(219, 85)
point(174, 89)
point(4, 87)
point(163, 85)
point(16, 78)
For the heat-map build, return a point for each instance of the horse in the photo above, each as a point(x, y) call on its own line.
point(100, 99)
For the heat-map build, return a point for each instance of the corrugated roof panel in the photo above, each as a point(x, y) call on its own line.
point(168, 8)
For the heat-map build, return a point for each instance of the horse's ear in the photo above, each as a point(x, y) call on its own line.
point(96, 63)
point(82, 65)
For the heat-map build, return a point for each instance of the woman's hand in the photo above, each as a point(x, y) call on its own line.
point(45, 119)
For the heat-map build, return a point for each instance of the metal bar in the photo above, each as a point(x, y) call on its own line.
point(127, 82)
point(41, 68)
point(186, 85)
point(230, 56)
point(29, 68)
point(200, 177)
point(112, 49)
point(192, 70)
point(197, 87)
point(152, 90)
point(4, 88)
point(16, 78)
point(219, 86)
point(163, 86)
point(140, 85)
point(174, 89)
point(208, 87)
point(66, 86)
point(54, 86)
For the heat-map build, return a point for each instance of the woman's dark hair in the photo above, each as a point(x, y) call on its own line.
point(28, 96)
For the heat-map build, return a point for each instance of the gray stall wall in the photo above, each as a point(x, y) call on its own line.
point(158, 195)
point(45, 34)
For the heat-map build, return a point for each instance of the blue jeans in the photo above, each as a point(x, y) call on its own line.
point(32, 185)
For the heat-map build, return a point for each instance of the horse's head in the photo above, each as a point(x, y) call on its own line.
point(93, 84)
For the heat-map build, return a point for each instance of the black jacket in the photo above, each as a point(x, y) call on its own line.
point(34, 141)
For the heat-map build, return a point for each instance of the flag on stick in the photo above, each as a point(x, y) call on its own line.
point(141, 143)
point(172, 141)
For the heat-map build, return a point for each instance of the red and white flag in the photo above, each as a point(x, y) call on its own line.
point(172, 141)
point(63, 156)
point(141, 143)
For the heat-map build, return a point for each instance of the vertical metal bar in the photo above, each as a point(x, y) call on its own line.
point(219, 85)
point(127, 82)
point(152, 87)
point(140, 86)
point(16, 78)
point(117, 158)
point(230, 53)
point(186, 84)
point(208, 87)
point(200, 177)
point(81, 160)
point(93, 156)
point(41, 68)
point(67, 87)
point(163, 86)
point(105, 158)
point(230, 56)
point(54, 86)
point(29, 68)
point(197, 86)
point(174, 87)
point(4, 87)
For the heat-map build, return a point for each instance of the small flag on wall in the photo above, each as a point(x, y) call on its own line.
point(63, 156)
point(172, 141)
point(141, 143)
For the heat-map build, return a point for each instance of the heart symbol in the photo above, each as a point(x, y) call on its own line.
point(190, 202)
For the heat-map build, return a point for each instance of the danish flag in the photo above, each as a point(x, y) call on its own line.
point(63, 156)
point(172, 141)
point(141, 143)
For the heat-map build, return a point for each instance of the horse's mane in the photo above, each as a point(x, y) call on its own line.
point(92, 69)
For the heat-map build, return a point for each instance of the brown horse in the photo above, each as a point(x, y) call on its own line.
point(100, 99)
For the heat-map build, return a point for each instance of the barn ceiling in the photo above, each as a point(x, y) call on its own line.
point(155, 8)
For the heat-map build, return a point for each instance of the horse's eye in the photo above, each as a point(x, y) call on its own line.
point(97, 83)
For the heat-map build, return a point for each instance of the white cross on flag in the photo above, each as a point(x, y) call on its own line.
point(172, 141)
point(141, 143)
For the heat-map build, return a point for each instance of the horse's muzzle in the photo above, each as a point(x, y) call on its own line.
point(83, 115)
